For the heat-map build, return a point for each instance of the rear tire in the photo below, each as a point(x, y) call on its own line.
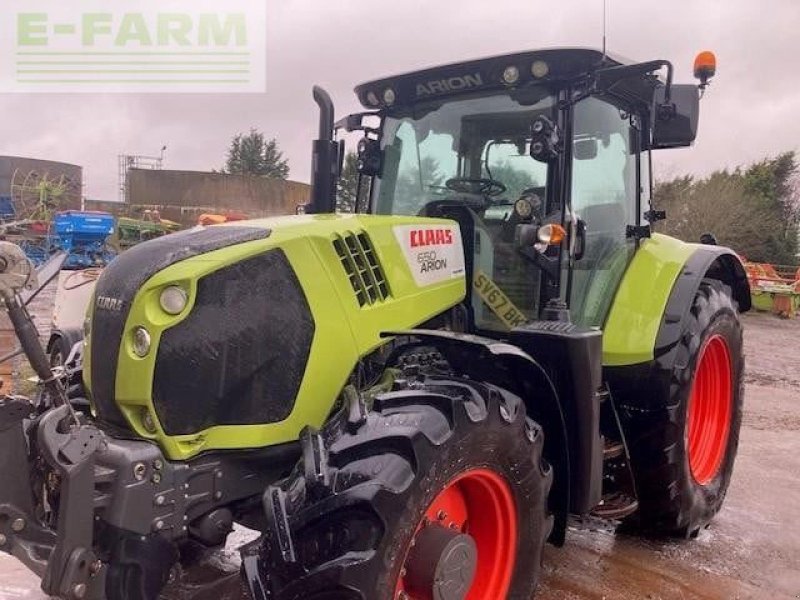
point(444, 458)
point(683, 455)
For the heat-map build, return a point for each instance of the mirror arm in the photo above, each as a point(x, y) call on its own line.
point(668, 91)
point(605, 78)
point(353, 122)
point(592, 90)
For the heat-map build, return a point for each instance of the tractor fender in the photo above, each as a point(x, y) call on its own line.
point(646, 385)
point(657, 288)
point(707, 262)
point(509, 367)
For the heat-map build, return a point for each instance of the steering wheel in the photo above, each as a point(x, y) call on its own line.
point(482, 186)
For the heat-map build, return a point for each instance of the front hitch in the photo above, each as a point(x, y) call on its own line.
point(63, 559)
point(46, 435)
point(20, 534)
point(70, 450)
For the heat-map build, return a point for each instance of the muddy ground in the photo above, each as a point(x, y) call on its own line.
point(751, 550)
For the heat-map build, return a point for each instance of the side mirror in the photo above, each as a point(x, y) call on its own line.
point(585, 149)
point(677, 126)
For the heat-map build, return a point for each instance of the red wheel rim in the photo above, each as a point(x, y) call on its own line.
point(709, 411)
point(480, 504)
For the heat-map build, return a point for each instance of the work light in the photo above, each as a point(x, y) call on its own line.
point(173, 299)
point(141, 342)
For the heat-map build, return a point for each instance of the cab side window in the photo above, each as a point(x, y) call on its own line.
point(604, 196)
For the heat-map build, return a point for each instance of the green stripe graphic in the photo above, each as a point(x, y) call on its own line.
point(168, 81)
point(121, 71)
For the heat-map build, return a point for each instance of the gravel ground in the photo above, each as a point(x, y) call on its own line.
point(751, 550)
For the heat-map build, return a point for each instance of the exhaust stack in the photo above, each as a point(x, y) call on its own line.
point(325, 158)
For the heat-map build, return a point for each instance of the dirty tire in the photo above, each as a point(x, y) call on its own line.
point(348, 522)
point(681, 488)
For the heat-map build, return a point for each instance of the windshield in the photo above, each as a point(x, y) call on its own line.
point(469, 160)
point(476, 138)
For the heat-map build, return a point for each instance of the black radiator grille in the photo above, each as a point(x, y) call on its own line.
point(120, 283)
point(240, 356)
point(358, 258)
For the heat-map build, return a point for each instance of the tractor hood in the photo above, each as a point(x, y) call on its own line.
point(207, 338)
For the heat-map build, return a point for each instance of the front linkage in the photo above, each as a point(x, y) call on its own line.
point(49, 429)
point(92, 513)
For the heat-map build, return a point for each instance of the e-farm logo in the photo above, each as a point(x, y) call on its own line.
point(133, 46)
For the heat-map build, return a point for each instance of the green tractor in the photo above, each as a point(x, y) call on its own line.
point(407, 402)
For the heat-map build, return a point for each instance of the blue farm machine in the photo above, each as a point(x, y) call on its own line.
point(84, 237)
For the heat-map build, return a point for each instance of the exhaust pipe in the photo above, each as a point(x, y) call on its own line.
point(323, 100)
point(325, 158)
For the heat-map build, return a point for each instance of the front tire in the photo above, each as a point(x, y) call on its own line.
point(441, 492)
point(683, 455)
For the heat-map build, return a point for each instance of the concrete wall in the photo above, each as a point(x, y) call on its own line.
point(184, 195)
point(54, 170)
point(118, 209)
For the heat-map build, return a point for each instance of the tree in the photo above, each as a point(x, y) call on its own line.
point(515, 180)
point(253, 154)
point(347, 186)
point(414, 185)
point(773, 183)
point(752, 210)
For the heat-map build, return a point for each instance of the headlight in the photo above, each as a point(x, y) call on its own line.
point(540, 69)
point(511, 74)
point(141, 341)
point(523, 208)
point(173, 299)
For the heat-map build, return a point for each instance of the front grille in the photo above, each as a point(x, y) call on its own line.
point(240, 356)
point(120, 282)
point(366, 276)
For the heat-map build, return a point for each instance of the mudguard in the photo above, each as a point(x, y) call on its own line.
point(509, 367)
point(713, 262)
point(656, 293)
point(638, 363)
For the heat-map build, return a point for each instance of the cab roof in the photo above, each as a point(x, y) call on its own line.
point(535, 66)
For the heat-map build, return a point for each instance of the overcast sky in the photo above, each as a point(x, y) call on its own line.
point(751, 110)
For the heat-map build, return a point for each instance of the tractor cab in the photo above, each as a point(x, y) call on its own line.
point(542, 158)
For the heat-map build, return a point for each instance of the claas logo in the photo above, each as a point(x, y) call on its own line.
point(431, 237)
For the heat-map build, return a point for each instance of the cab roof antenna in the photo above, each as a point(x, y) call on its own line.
point(604, 30)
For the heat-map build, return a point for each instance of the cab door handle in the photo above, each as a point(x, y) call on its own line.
point(580, 239)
